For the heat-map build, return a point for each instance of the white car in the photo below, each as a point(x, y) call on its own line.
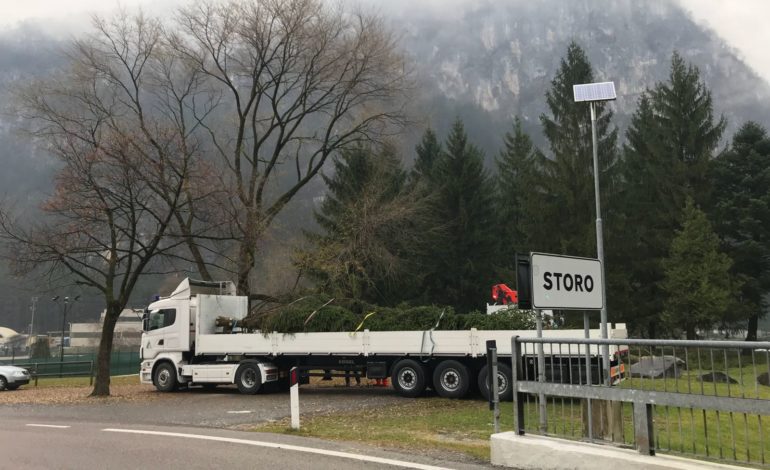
point(12, 377)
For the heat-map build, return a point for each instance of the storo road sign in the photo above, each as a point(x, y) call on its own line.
point(565, 282)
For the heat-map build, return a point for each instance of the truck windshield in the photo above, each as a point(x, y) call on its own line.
point(161, 318)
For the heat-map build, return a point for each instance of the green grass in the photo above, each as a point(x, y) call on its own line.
point(419, 424)
point(465, 425)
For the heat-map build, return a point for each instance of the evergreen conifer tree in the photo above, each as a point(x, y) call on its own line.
point(741, 214)
point(371, 230)
point(428, 153)
point(568, 175)
point(696, 276)
point(462, 266)
point(517, 193)
point(671, 139)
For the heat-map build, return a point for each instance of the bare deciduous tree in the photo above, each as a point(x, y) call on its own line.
point(117, 120)
point(301, 80)
point(186, 135)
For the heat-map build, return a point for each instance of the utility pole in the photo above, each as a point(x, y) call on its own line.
point(32, 320)
point(31, 338)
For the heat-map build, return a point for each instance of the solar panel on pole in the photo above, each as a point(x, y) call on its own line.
point(604, 91)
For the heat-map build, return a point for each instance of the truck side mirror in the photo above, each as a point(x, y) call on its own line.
point(145, 321)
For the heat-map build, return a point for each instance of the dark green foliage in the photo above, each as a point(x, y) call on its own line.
point(347, 316)
point(372, 226)
point(296, 317)
point(518, 208)
point(696, 277)
point(741, 215)
point(670, 142)
point(460, 266)
point(568, 200)
point(428, 153)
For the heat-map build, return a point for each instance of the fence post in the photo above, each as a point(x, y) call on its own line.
point(516, 375)
point(541, 374)
point(643, 429)
point(492, 382)
point(91, 375)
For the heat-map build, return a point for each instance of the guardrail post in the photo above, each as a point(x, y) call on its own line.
point(516, 375)
point(294, 397)
point(643, 430)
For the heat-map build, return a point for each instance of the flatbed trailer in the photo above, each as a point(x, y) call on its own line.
point(182, 344)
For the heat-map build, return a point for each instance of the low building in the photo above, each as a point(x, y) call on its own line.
point(11, 342)
point(128, 331)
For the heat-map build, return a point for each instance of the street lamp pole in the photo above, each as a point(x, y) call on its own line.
point(63, 326)
point(61, 346)
point(600, 244)
point(593, 92)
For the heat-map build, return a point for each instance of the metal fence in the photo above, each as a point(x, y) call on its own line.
point(703, 399)
point(122, 362)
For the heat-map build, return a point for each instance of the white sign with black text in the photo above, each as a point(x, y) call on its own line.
point(564, 282)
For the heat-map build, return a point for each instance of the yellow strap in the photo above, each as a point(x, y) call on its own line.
point(362, 323)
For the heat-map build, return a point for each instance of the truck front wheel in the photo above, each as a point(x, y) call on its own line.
point(248, 379)
point(451, 379)
point(409, 378)
point(164, 378)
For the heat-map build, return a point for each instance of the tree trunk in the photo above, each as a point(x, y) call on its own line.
point(751, 330)
point(189, 240)
point(651, 330)
point(690, 329)
point(102, 380)
point(245, 263)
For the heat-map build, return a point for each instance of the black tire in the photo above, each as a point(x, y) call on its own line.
point(164, 378)
point(248, 378)
point(409, 378)
point(451, 379)
point(504, 382)
point(3, 383)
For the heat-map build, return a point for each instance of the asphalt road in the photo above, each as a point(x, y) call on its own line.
point(193, 429)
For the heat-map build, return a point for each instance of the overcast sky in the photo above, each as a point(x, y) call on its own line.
point(742, 23)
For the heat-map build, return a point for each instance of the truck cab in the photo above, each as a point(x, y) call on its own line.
point(170, 327)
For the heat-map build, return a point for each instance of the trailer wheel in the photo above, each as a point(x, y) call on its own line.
point(248, 378)
point(409, 378)
point(451, 379)
point(504, 384)
point(164, 378)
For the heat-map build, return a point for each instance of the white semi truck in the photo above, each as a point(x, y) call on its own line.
point(182, 344)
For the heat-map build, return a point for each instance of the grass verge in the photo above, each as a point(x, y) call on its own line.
point(427, 424)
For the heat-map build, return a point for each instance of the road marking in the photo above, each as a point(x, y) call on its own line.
point(239, 412)
point(273, 445)
point(48, 426)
